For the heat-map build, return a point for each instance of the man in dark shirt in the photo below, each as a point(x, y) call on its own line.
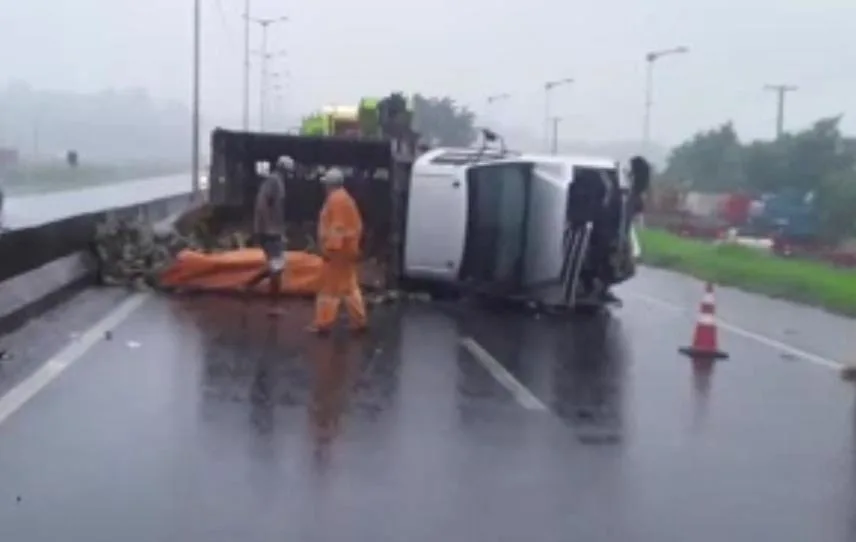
point(269, 224)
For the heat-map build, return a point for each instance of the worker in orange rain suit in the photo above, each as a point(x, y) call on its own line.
point(340, 229)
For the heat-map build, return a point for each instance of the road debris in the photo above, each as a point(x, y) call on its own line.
point(131, 252)
point(134, 253)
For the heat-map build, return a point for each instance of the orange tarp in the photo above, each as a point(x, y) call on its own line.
point(230, 271)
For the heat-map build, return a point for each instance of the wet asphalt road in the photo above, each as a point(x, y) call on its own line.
point(202, 419)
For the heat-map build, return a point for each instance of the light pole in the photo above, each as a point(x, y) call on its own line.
point(650, 58)
point(493, 99)
point(277, 80)
point(265, 24)
point(548, 87)
point(555, 145)
point(263, 81)
point(194, 161)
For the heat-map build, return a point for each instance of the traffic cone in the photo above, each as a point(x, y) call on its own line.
point(705, 337)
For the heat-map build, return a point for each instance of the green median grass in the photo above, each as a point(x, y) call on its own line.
point(806, 282)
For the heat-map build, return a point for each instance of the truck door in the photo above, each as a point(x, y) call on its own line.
point(497, 213)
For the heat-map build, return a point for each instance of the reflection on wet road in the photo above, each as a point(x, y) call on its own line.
point(226, 424)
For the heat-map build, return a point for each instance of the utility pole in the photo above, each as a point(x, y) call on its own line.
point(197, 58)
point(555, 146)
point(548, 87)
point(781, 91)
point(246, 108)
point(265, 24)
point(650, 59)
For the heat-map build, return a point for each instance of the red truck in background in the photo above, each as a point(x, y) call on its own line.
point(735, 209)
point(787, 223)
point(698, 214)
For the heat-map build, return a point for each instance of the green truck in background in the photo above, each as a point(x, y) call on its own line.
point(390, 117)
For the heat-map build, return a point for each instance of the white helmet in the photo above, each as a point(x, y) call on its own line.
point(333, 176)
point(285, 163)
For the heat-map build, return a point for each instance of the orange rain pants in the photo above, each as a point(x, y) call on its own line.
point(340, 229)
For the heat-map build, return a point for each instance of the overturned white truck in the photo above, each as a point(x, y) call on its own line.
point(554, 230)
point(550, 230)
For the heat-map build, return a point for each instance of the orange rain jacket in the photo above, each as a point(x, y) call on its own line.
point(340, 229)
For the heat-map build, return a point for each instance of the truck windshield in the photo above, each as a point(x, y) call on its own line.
point(496, 224)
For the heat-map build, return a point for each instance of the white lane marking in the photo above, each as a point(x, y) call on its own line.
point(18, 396)
point(520, 392)
point(810, 357)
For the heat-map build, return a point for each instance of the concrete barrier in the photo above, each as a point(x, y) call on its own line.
point(47, 251)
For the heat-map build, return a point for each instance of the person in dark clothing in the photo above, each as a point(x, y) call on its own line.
point(589, 198)
point(269, 224)
point(640, 176)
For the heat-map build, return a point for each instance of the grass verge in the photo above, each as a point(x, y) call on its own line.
point(805, 282)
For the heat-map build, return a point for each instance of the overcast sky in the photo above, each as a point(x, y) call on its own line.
point(340, 50)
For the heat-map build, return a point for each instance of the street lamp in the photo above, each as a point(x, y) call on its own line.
point(277, 82)
point(549, 86)
point(265, 24)
point(555, 146)
point(278, 104)
point(650, 58)
point(493, 99)
point(498, 97)
point(263, 80)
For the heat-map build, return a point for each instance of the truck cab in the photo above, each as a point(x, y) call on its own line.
point(447, 215)
point(332, 120)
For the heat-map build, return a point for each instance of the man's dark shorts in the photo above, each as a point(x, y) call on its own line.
point(274, 248)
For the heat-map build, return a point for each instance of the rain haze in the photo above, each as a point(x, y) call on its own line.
point(552, 272)
point(339, 51)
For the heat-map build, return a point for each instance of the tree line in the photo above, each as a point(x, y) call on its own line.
point(443, 120)
point(124, 125)
point(817, 165)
